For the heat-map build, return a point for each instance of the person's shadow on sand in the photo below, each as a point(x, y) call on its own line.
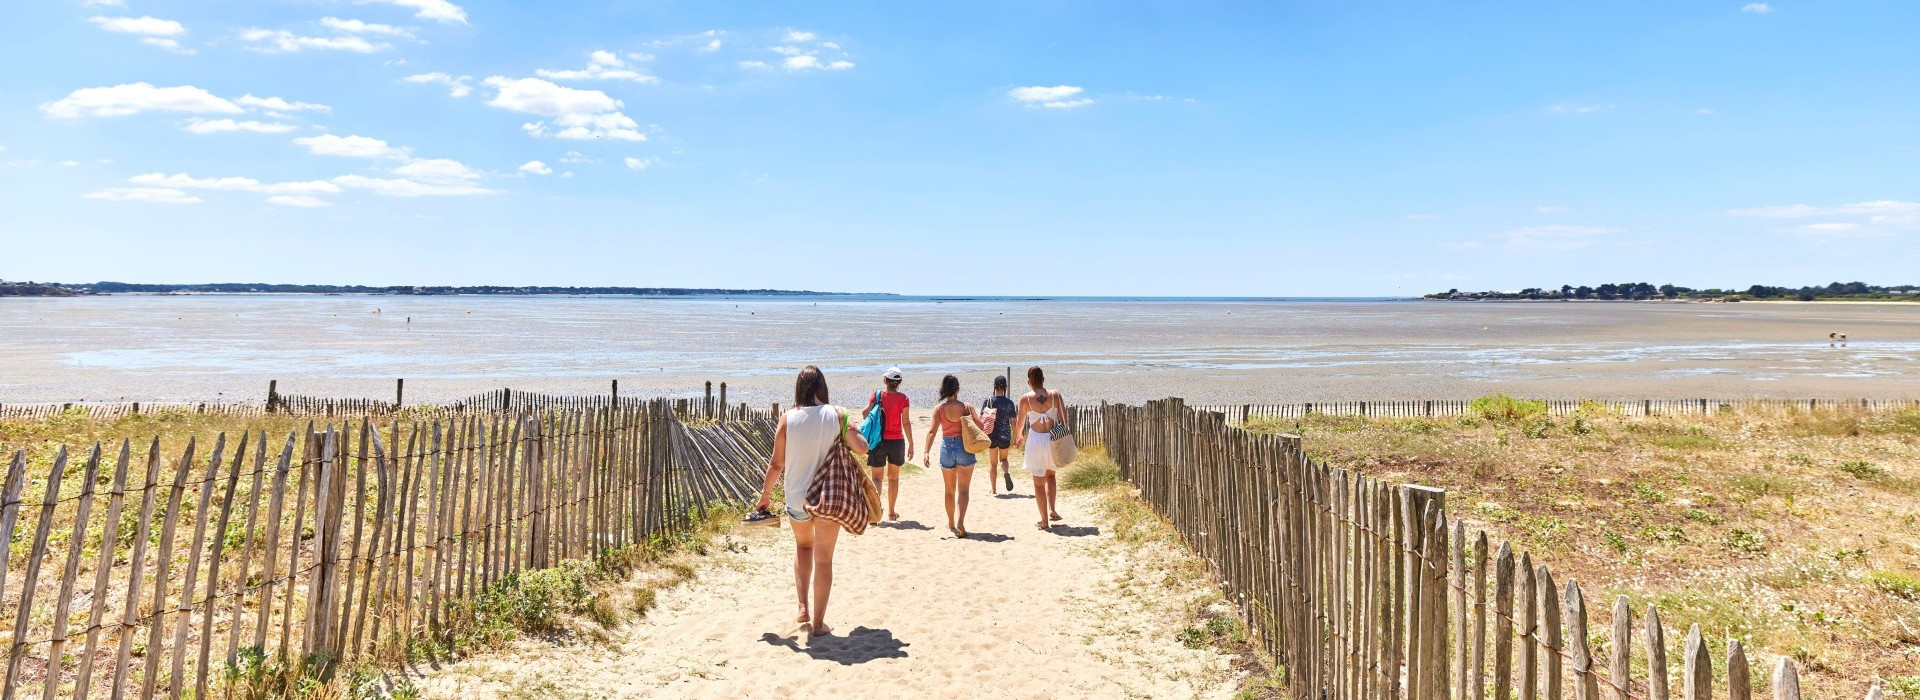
point(1078, 531)
point(991, 537)
point(1005, 496)
point(902, 525)
point(856, 647)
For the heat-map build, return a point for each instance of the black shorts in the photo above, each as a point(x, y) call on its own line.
point(999, 442)
point(890, 452)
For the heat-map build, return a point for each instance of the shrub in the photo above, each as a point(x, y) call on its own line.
point(1501, 408)
point(1861, 469)
point(1897, 584)
point(1746, 541)
point(1091, 471)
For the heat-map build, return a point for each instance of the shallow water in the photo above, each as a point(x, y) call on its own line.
point(228, 347)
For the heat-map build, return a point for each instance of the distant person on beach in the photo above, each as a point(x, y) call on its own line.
point(1039, 411)
point(895, 449)
point(956, 463)
point(1001, 436)
point(800, 443)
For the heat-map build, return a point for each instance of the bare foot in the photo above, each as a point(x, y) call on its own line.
point(893, 516)
point(1042, 525)
point(819, 629)
point(1054, 517)
point(803, 615)
point(962, 532)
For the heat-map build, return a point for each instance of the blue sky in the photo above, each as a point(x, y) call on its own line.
point(1167, 148)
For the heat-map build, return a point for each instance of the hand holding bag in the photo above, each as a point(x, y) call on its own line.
point(874, 427)
point(842, 492)
point(971, 439)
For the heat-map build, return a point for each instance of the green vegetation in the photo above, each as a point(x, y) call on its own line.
point(1790, 529)
point(1091, 471)
point(1642, 291)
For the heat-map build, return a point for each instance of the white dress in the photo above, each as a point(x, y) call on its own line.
point(1039, 454)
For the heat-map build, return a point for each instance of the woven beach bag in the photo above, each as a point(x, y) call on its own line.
point(1064, 449)
point(971, 438)
point(842, 492)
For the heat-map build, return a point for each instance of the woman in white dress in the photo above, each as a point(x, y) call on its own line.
point(800, 443)
point(1039, 411)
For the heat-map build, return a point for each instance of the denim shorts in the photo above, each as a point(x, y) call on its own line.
point(799, 517)
point(953, 453)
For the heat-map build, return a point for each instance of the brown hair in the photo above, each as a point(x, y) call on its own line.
point(1036, 377)
point(892, 384)
point(949, 387)
point(810, 389)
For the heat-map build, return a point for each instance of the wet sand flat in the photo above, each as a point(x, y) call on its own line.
point(201, 348)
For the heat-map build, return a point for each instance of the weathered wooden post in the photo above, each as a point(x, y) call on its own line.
point(506, 398)
point(723, 400)
point(709, 401)
point(399, 391)
point(273, 396)
point(616, 392)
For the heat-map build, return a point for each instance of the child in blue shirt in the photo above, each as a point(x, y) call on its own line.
point(1001, 437)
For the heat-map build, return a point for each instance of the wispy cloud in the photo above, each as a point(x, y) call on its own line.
point(1051, 97)
point(157, 195)
point(354, 26)
point(1796, 211)
point(352, 147)
point(223, 126)
point(534, 167)
point(601, 65)
point(134, 98)
point(1758, 8)
point(436, 10)
point(1569, 108)
point(576, 113)
point(283, 41)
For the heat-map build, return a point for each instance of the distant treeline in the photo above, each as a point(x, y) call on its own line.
point(34, 289)
point(1642, 291)
point(59, 289)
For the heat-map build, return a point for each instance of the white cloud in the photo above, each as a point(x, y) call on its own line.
point(641, 163)
point(70, 163)
point(409, 188)
point(351, 147)
point(169, 44)
point(437, 170)
point(704, 42)
point(103, 3)
point(456, 87)
point(436, 10)
point(275, 104)
point(183, 181)
point(567, 175)
point(811, 62)
point(1053, 97)
point(577, 157)
point(283, 41)
point(354, 26)
point(1556, 236)
point(1549, 209)
point(222, 126)
point(298, 200)
point(601, 65)
point(1758, 8)
point(799, 36)
point(755, 65)
point(144, 26)
point(1834, 226)
point(159, 195)
point(577, 114)
point(711, 46)
point(133, 98)
point(1564, 108)
point(534, 167)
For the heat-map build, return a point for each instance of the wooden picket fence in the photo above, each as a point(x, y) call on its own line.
point(113, 411)
point(1363, 589)
point(369, 534)
point(1242, 413)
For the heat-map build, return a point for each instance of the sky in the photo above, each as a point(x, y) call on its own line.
point(1275, 148)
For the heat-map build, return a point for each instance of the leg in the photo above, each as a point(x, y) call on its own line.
point(824, 538)
point(946, 479)
point(803, 543)
point(1040, 499)
point(893, 491)
point(1053, 494)
point(993, 470)
point(963, 485)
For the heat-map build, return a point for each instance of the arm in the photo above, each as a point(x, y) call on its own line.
point(979, 419)
point(1020, 429)
point(906, 428)
point(933, 427)
point(851, 434)
point(774, 463)
point(872, 400)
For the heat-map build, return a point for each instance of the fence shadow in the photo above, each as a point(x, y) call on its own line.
point(1075, 531)
point(861, 645)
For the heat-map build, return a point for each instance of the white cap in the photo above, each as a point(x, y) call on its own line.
point(892, 373)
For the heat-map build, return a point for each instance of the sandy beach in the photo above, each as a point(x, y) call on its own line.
point(208, 348)
point(1011, 612)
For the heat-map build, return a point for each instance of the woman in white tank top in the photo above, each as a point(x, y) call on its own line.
point(1040, 410)
point(800, 443)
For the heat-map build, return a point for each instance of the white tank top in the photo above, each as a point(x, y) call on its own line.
point(810, 433)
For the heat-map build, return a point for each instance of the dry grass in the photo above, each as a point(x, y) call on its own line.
point(1796, 532)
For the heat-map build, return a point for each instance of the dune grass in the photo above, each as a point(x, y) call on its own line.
point(1797, 532)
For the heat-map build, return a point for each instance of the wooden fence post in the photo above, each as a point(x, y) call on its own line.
point(399, 392)
point(273, 394)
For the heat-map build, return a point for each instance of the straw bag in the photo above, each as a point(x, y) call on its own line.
point(842, 492)
point(971, 439)
point(1060, 439)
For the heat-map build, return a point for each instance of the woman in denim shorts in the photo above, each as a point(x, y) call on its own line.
point(956, 463)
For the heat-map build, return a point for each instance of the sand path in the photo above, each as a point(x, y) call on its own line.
point(1012, 612)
